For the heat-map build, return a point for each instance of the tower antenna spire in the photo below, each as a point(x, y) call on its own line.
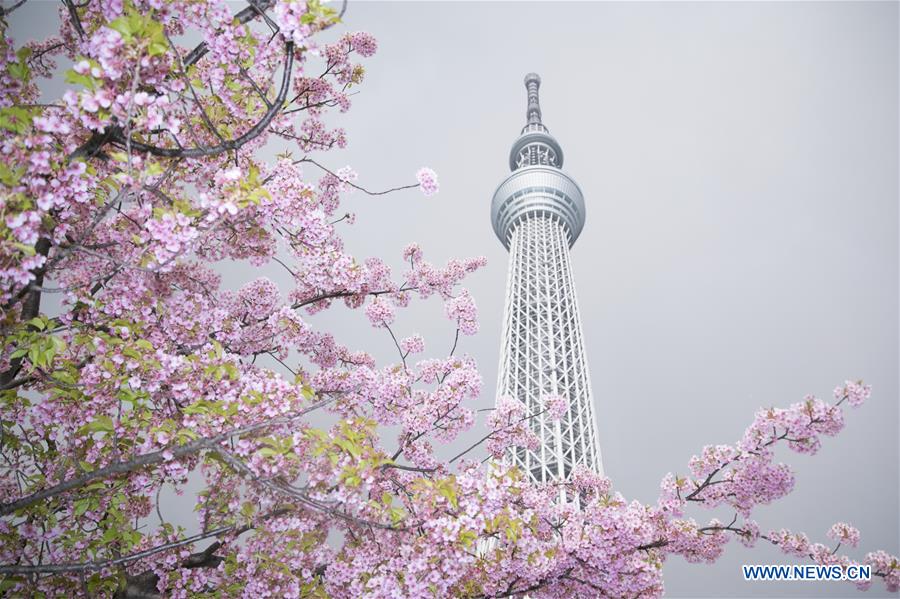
point(533, 84)
point(533, 113)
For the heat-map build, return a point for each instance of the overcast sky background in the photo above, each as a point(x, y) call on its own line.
point(740, 169)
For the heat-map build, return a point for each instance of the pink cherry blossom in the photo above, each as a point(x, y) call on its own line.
point(844, 533)
point(413, 344)
point(427, 179)
point(380, 312)
point(462, 309)
point(556, 405)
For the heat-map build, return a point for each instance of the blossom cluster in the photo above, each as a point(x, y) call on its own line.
point(462, 309)
point(427, 179)
point(510, 427)
point(556, 405)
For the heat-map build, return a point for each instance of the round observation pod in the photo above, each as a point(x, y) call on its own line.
point(534, 191)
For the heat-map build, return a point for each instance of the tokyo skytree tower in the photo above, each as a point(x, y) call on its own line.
point(538, 213)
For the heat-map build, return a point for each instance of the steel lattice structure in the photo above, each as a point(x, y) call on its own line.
point(538, 213)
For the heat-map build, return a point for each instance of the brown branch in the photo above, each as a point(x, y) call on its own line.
point(344, 293)
point(234, 144)
point(100, 565)
point(6, 11)
point(147, 459)
point(255, 9)
point(491, 434)
point(353, 185)
point(74, 18)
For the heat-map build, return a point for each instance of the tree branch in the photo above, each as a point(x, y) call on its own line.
point(255, 9)
point(234, 144)
point(148, 459)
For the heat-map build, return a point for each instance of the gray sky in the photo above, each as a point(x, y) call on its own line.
point(740, 168)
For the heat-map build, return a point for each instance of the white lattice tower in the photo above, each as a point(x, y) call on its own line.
point(538, 213)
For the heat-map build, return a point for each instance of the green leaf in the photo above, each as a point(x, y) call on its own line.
point(231, 370)
point(11, 176)
point(131, 353)
point(64, 377)
point(397, 515)
point(80, 79)
point(111, 534)
point(157, 49)
point(348, 446)
point(9, 582)
point(468, 538)
point(513, 530)
point(124, 26)
point(450, 495)
point(25, 249)
point(15, 119)
point(81, 506)
point(34, 355)
point(99, 424)
point(19, 70)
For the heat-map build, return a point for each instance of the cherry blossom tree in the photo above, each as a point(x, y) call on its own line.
point(125, 198)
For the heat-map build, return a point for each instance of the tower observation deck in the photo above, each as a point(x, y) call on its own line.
point(538, 213)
